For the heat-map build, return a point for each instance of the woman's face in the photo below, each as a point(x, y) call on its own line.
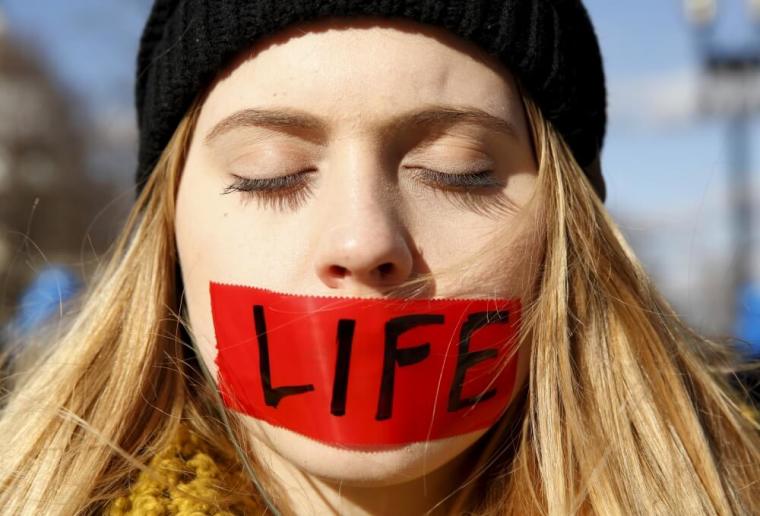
point(366, 118)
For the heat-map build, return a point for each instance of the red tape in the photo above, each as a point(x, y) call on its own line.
point(365, 371)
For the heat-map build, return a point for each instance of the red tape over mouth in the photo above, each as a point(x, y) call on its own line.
point(365, 371)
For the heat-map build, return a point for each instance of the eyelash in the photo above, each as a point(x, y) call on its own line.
point(293, 189)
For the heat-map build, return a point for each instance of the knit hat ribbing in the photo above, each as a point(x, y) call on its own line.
point(550, 45)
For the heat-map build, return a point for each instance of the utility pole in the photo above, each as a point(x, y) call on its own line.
point(730, 90)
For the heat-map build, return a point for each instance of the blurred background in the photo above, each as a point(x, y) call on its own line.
point(681, 158)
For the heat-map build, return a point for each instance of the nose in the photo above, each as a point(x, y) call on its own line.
point(364, 246)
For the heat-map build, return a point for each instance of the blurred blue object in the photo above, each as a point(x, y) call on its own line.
point(43, 298)
point(748, 319)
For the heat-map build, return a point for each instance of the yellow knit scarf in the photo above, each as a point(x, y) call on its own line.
point(188, 478)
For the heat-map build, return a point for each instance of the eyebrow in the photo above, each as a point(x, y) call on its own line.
point(289, 120)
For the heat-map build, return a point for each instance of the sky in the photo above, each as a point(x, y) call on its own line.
point(665, 163)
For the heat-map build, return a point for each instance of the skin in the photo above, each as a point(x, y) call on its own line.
point(370, 221)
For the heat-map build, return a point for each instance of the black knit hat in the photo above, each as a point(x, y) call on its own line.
point(550, 45)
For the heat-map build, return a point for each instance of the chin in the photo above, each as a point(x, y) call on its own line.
point(354, 465)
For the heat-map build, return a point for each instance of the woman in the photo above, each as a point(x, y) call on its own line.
point(296, 163)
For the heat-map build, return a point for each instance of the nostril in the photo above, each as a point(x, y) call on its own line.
point(337, 271)
point(385, 269)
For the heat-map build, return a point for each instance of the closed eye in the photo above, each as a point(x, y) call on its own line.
point(293, 189)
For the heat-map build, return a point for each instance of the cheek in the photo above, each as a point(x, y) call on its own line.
point(195, 252)
point(486, 257)
point(206, 250)
point(222, 240)
point(495, 242)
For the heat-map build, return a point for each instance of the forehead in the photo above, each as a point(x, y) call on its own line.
point(355, 70)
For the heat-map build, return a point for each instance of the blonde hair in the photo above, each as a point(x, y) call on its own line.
point(625, 411)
